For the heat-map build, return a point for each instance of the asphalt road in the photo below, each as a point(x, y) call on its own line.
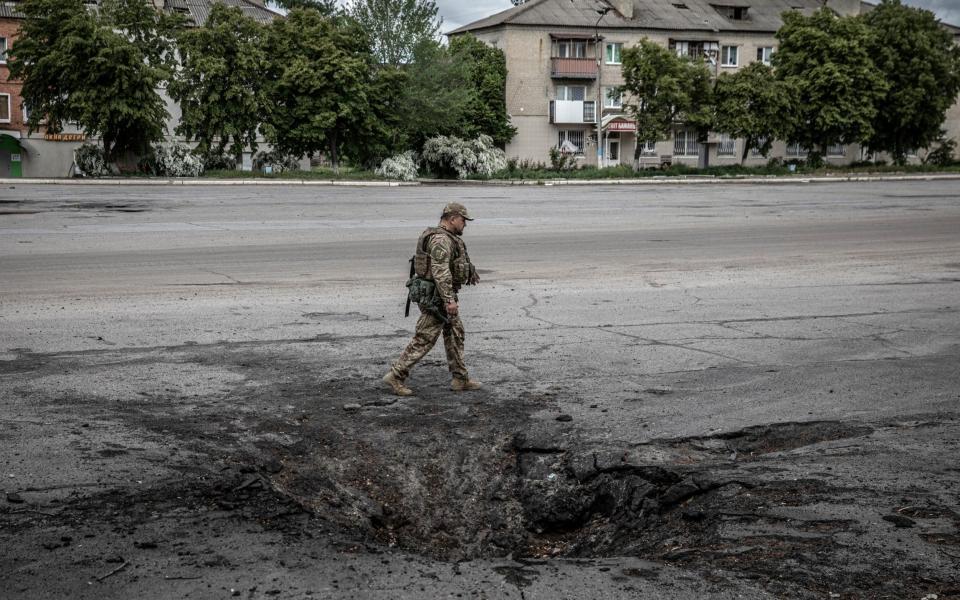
point(773, 334)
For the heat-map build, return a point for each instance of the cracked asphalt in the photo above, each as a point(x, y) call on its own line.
point(713, 391)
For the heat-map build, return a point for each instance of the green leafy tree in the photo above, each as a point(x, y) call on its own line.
point(79, 66)
point(396, 27)
point(664, 89)
point(486, 71)
point(825, 59)
point(921, 63)
point(326, 7)
point(754, 105)
point(320, 84)
point(219, 86)
point(436, 94)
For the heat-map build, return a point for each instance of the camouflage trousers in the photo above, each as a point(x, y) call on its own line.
point(428, 330)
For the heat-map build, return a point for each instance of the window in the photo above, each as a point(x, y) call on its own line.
point(613, 53)
point(685, 143)
point(708, 50)
point(575, 137)
point(649, 148)
point(734, 13)
point(3, 50)
point(760, 143)
point(571, 92)
point(612, 98)
point(836, 150)
point(794, 149)
point(764, 54)
point(572, 49)
point(4, 108)
point(727, 146)
point(728, 56)
point(590, 112)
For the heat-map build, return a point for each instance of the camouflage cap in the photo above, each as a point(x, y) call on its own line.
point(455, 208)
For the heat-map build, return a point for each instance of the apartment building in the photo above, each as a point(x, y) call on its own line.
point(43, 154)
point(559, 94)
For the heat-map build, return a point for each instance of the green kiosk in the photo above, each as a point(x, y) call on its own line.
point(11, 156)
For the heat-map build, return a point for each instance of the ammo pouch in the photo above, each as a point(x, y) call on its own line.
point(421, 291)
point(460, 269)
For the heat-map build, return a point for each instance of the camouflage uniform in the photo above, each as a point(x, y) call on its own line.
point(441, 265)
point(442, 248)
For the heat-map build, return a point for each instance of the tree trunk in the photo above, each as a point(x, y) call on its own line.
point(334, 154)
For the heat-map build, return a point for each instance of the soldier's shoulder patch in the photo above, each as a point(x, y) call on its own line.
point(439, 252)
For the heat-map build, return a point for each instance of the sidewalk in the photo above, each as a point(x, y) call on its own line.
point(656, 180)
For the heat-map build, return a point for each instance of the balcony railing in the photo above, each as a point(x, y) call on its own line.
point(573, 68)
point(573, 111)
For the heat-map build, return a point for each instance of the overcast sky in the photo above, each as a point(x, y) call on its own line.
point(459, 12)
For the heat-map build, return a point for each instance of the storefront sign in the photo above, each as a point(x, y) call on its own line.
point(622, 126)
point(64, 137)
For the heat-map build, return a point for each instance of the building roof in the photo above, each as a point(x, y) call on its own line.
point(199, 10)
point(196, 11)
point(689, 15)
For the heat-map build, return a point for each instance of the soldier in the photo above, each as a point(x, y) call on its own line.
point(441, 266)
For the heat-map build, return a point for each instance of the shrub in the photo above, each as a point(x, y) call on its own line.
point(561, 161)
point(942, 156)
point(278, 162)
point(452, 156)
point(403, 166)
point(218, 162)
point(91, 160)
point(177, 160)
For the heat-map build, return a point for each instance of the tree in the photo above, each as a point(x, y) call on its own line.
point(664, 89)
point(436, 95)
point(101, 70)
point(825, 59)
point(219, 86)
point(320, 83)
point(326, 7)
point(486, 109)
point(919, 60)
point(754, 105)
point(396, 27)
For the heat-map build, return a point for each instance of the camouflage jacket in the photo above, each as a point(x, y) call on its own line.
point(447, 263)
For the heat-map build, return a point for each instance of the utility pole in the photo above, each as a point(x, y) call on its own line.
point(598, 113)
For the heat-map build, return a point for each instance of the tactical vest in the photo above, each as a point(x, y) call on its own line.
point(459, 262)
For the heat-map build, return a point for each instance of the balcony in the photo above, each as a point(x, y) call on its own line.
point(573, 68)
point(567, 112)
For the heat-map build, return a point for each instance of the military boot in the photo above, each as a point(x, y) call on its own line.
point(396, 385)
point(464, 385)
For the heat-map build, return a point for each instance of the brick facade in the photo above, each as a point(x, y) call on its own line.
point(8, 30)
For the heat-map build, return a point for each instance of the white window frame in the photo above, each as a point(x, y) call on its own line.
point(613, 53)
point(725, 52)
point(578, 134)
point(727, 146)
point(837, 150)
point(610, 100)
point(571, 46)
point(4, 43)
point(755, 152)
point(9, 116)
point(564, 92)
point(685, 140)
point(765, 54)
point(794, 149)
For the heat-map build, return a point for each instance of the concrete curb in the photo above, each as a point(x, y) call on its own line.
point(207, 182)
point(647, 181)
point(697, 180)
